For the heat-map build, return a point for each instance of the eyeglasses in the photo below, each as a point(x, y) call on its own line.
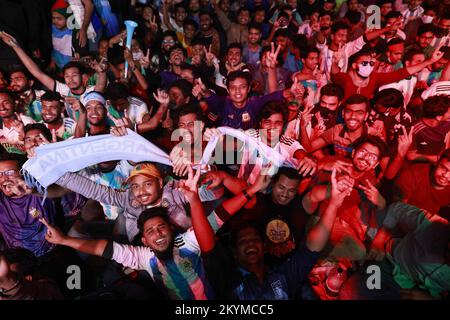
point(8, 173)
point(372, 157)
point(365, 63)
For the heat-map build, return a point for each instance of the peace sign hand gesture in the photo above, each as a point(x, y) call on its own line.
point(405, 141)
point(189, 187)
point(209, 56)
point(271, 60)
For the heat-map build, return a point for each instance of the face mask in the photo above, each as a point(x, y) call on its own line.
point(138, 55)
point(365, 71)
point(427, 19)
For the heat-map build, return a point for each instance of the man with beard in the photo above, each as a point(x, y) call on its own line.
point(172, 259)
point(52, 110)
point(21, 83)
point(357, 219)
point(232, 62)
point(425, 186)
point(177, 56)
point(209, 33)
point(75, 76)
point(252, 50)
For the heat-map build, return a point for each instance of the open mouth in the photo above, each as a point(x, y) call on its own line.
point(161, 241)
point(251, 251)
point(352, 123)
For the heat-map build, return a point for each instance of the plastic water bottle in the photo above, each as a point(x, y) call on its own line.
point(335, 280)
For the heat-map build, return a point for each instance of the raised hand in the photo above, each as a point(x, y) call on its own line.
point(9, 39)
point(53, 235)
point(209, 56)
point(76, 104)
point(162, 97)
point(189, 187)
point(145, 60)
point(373, 194)
point(167, 122)
point(82, 38)
point(306, 116)
point(210, 133)
point(199, 90)
point(307, 166)
point(153, 24)
point(180, 161)
point(213, 179)
point(297, 89)
point(437, 55)
point(405, 141)
point(271, 59)
point(340, 189)
point(17, 124)
point(337, 55)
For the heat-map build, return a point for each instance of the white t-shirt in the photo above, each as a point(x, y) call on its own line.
point(64, 90)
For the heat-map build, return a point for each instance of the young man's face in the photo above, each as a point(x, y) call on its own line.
point(329, 102)
point(157, 235)
point(244, 17)
point(188, 75)
point(51, 111)
point(385, 9)
point(146, 190)
point(354, 116)
point(19, 82)
point(284, 190)
point(33, 139)
point(177, 98)
point(340, 37)
point(238, 90)
point(413, 4)
point(425, 39)
point(234, 56)
point(439, 65)
point(147, 13)
point(198, 50)
point(189, 31)
point(205, 22)
point(180, 14)
point(395, 52)
point(292, 3)
point(58, 20)
point(442, 173)
point(444, 24)
point(120, 104)
point(325, 22)
point(283, 42)
point(272, 127)
point(225, 5)
point(194, 5)
point(260, 16)
point(73, 78)
point(249, 247)
point(312, 61)
point(416, 59)
point(103, 47)
point(387, 112)
point(9, 173)
point(95, 112)
point(177, 57)
point(353, 5)
point(366, 157)
point(187, 124)
point(6, 106)
point(254, 35)
point(167, 43)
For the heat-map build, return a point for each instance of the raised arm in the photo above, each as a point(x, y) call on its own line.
point(88, 11)
point(28, 62)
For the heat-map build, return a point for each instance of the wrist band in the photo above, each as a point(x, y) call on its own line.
point(246, 195)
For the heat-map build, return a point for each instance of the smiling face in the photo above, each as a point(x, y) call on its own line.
point(157, 235)
point(177, 57)
point(205, 22)
point(254, 35)
point(180, 15)
point(6, 106)
point(312, 61)
point(146, 190)
point(187, 124)
point(95, 112)
point(249, 247)
point(355, 115)
point(441, 174)
point(177, 98)
point(234, 56)
point(238, 90)
point(366, 157)
point(284, 190)
point(33, 139)
point(9, 172)
point(340, 37)
point(271, 128)
point(51, 111)
point(244, 17)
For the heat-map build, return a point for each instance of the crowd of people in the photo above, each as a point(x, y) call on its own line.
point(327, 126)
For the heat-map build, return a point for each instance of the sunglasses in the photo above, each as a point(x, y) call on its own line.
point(365, 63)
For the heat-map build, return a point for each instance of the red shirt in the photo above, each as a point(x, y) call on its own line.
point(413, 185)
point(376, 80)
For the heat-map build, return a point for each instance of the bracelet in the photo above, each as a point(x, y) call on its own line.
point(246, 195)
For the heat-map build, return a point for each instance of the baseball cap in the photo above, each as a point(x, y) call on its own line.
point(145, 169)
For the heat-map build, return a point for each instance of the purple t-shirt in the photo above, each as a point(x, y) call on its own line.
point(240, 118)
point(20, 225)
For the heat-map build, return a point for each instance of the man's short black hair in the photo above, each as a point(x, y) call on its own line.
point(408, 55)
point(198, 40)
point(255, 25)
point(339, 25)
point(190, 22)
point(393, 15)
point(233, 75)
point(238, 227)
point(178, 46)
point(435, 106)
point(235, 45)
point(357, 99)
point(389, 98)
point(310, 49)
point(24, 260)
point(373, 140)
point(116, 90)
point(38, 126)
point(204, 12)
point(74, 64)
point(151, 213)
point(270, 108)
point(290, 173)
point(395, 41)
point(332, 90)
point(19, 68)
point(426, 27)
point(184, 85)
point(189, 108)
point(361, 53)
point(51, 96)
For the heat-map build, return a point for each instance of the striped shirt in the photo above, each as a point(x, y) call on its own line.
point(136, 110)
point(338, 137)
point(64, 90)
point(430, 140)
point(413, 14)
point(181, 277)
point(66, 130)
point(405, 86)
point(252, 162)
